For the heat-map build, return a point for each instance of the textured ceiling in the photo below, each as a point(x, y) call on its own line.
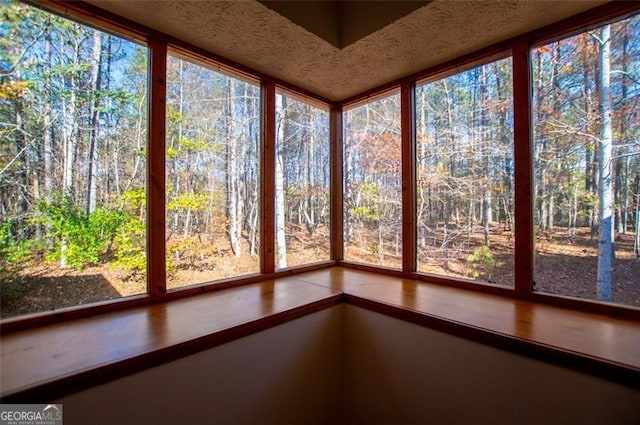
point(249, 33)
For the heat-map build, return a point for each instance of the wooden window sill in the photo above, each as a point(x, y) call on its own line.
point(51, 361)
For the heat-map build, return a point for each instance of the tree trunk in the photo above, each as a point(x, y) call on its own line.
point(310, 183)
point(622, 164)
point(507, 168)
point(485, 146)
point(625, 201)
point(23, 178)
point(92, 174)
point(281, 243)
point(47, 138)
point(253, 210)
point(636, 228)
point(540, 190)
point(348, 194)
point(234, 226)
point(590, 158)
point(605, 236)
point(617, 196)
point(380, 244)
point(551, 206)
point(70, 141)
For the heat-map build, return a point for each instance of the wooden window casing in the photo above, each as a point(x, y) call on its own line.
point(518, 48)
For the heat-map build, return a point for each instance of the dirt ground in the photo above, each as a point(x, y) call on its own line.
point(567, 265)
point(36, 286)
point(564, 265)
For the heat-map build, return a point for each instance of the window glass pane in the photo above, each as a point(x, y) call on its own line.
point(464, 135)
point(213, 128)
point(587, 164)
point(73, 136)
point(373, 183)
point(302, 182)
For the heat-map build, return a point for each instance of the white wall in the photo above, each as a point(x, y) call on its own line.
point(400, 373)
point(353, 366)
point(284, 375)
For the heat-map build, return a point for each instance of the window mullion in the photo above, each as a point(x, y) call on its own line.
point(408, 125)
point(156, 180)
point(268, 160)
point(337, 189)
point(523, 158)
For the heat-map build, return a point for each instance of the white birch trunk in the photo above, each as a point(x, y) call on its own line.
point(605, 242)
point(232, 176)
point(281, 243)
point(92, 174)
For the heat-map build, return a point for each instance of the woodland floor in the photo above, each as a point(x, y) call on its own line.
point(564, 265)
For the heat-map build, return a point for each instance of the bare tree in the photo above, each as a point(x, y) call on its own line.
point(92, 173)
point(281, 243)
point(605, 235)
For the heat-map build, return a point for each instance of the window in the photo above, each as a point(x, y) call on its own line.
point(587, 164)
point(464, 136)
point(73, 135)
point(302, 176)
point(212, 169)
point(373, 183)
point(74, 157)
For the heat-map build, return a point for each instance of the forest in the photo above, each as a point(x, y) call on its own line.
point(73, 178)
point(586, 154)
point(73, 141)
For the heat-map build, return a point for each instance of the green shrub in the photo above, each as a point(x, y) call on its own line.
point(77, 237)
point(129, 245)
point(481, 261)
point(12, 250)
point(80, 238)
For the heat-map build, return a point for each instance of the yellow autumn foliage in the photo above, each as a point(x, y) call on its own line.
point(13, 90)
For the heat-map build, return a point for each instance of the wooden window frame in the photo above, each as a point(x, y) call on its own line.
point(519, 48)
point(475, 62)
point(159, 47)
point(393, 90)
point(328, 109)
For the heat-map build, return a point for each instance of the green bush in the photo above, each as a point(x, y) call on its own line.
point(129, 245)
point(77, 237)
point(13, 250)
point(81, 238)
point(481, 261)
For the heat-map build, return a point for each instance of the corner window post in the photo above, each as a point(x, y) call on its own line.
point(523, 158)
point(156, 270)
